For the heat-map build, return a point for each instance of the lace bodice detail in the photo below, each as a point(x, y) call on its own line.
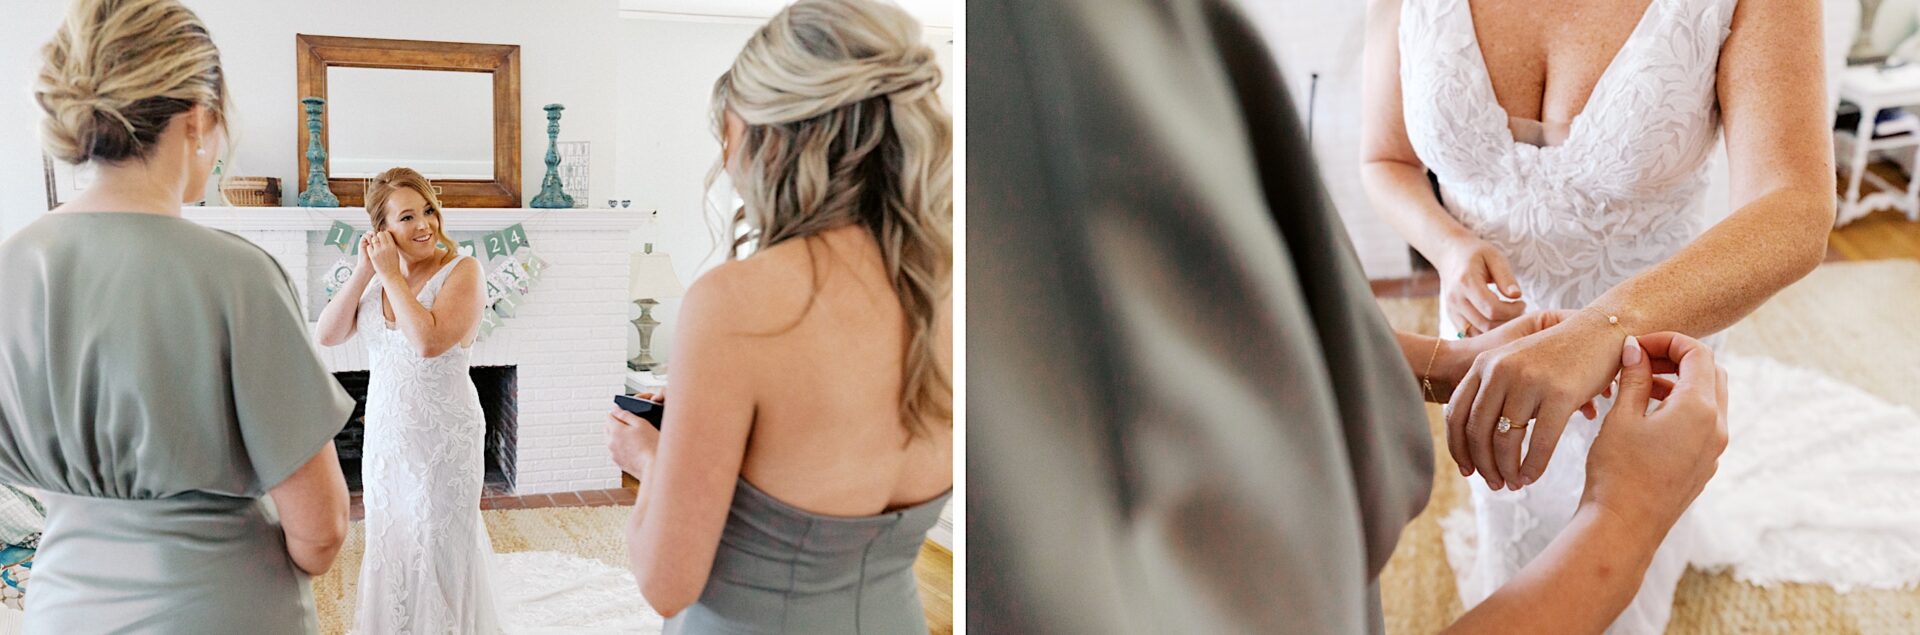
point(389, 352)
point(1621, 192)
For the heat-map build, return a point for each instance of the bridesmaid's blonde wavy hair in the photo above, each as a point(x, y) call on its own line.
point(844, 127)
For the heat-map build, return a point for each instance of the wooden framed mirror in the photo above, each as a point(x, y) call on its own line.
point(417, 104)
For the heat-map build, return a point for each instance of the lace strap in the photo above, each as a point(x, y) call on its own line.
point(440, 277)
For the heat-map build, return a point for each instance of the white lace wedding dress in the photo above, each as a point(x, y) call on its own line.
point(425, 569)
point(428, 565)
point(1620, 193)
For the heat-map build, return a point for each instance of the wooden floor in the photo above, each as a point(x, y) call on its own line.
point(935, 570)
point(1879, 236)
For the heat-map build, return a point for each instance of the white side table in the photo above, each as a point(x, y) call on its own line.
point(1875, 90)
point(640, 381)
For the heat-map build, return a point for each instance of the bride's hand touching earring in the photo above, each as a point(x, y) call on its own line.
point(1531, 384)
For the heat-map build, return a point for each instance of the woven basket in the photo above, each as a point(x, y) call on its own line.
point(252, 191)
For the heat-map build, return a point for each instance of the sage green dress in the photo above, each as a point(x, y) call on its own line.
point(156, 379)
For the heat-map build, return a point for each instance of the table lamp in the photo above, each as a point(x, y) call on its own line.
point(652, 279)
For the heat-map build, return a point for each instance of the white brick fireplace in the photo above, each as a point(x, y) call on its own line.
point(568, 341)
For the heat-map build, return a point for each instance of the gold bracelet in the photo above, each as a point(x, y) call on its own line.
point(1612, 319)
point(1426, 379)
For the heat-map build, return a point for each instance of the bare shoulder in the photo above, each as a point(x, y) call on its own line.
point(1384, 10)
point(466, 267)
point(759, 294)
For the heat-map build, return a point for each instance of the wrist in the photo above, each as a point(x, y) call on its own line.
point(1594, 321)
point(1638, 529)
point(1448, 248)
point(1451, 362)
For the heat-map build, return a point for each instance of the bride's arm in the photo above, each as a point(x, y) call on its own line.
point(455, 315)
point(338, 320)
point(1780, 156)
point(1396, 185)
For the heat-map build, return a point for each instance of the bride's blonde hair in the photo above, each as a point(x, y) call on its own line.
point(844, 127)
point(382, 187)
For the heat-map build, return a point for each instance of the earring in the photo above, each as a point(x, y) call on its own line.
point(200, 151)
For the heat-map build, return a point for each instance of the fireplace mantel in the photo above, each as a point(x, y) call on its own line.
point(458, 219)
point(568, 342)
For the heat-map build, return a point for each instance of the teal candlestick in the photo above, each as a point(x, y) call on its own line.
point(551, 194)
point(317, 194)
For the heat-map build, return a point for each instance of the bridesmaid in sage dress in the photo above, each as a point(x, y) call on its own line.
point(779, 498)
point(156, 377)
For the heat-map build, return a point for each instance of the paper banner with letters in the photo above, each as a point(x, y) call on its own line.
point(516, 237)
point(341, 235)
point(496, 244)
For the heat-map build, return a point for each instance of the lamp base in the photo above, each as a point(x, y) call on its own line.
point(645, 325)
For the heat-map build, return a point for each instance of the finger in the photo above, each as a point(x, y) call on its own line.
point(627, 418)
point(1694, 360)
point(1661, 389)
point(1482, 415)
point(1459, 309)
point(1635, 377)
point(1502, 274)
point(1476, 293)
point(1456, 412)
point(1504, 311)
point(1605, 391)
point(1550, 318)
point(1546, 431)
point(1518, 409)
point(1475, 317)
point(1590, 410)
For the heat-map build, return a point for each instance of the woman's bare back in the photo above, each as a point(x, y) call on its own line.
point(826, 369)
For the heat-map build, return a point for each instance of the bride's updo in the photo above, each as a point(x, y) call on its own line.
point(118, 71)
point(844, 127)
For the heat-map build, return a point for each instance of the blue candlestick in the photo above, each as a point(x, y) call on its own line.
point(551, 193)
point(317, 194)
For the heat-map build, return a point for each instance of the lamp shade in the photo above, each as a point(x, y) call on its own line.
point(652, 278)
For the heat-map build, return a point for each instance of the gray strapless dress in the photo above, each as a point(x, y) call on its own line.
point(785, 570)
point(156, 379)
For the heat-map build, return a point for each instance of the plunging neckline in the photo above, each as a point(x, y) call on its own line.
point(1573, 123)
point(384, 302)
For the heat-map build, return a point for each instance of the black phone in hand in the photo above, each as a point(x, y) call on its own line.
point(653, 411)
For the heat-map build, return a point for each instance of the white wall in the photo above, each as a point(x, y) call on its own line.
point(23, 195)
point(666, 69)
point(565, 53)
point(1327, 37)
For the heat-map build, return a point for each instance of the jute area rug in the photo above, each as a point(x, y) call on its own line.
point(1858, 322)
point(588, 532)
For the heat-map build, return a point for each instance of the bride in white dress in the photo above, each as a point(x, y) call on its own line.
point(1569, 143)
point(417, 303)
point(428, 564)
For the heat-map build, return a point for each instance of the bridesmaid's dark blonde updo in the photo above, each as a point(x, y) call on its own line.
point(118, 71)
